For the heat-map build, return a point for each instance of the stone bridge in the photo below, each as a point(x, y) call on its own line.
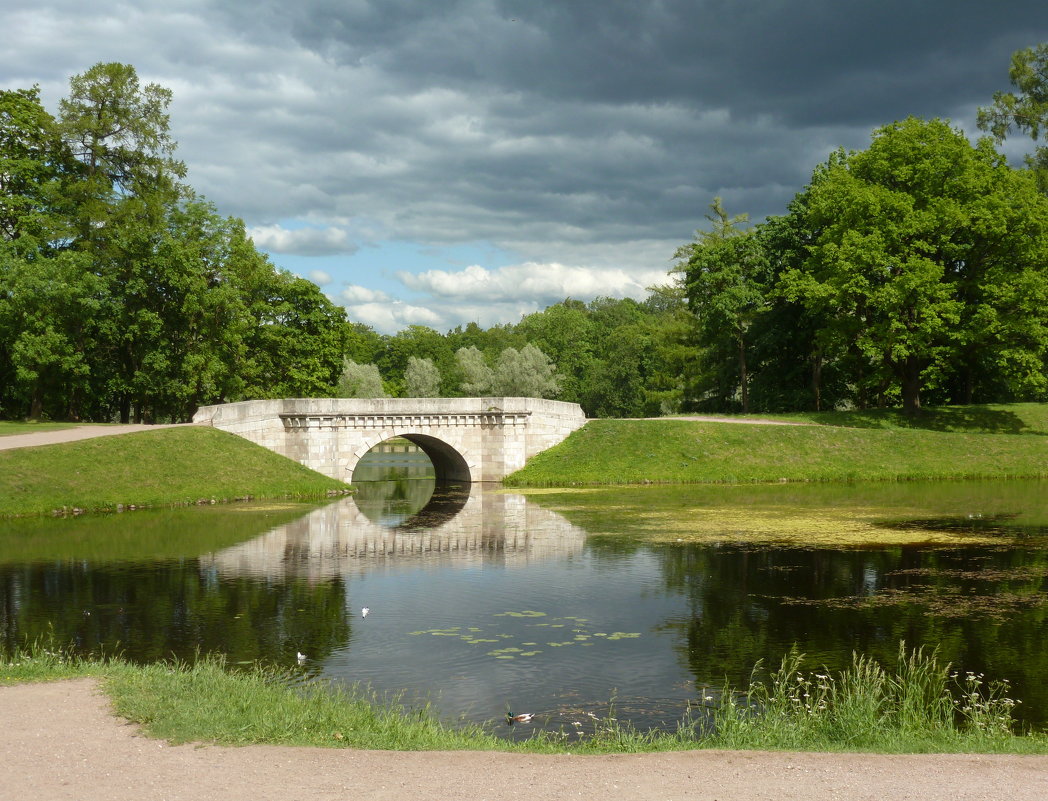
point(467, 439)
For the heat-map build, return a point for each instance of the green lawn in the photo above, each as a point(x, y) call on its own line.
point(972, 442)
point(166, 466)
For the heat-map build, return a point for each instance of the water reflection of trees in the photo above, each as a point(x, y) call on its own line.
point(751, 604)
point(158, 611)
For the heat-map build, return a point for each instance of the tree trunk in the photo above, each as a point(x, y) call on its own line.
point(816, 381)
point(743, 378)
point(36, 404)
point(911, 386)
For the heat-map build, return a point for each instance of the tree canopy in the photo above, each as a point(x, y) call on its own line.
point(124, 295)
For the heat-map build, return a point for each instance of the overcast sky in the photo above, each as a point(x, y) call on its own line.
point(437, 162)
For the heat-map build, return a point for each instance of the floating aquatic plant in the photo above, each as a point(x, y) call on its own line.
point(582, 635)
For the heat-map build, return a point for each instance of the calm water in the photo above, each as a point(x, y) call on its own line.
point(483, 600)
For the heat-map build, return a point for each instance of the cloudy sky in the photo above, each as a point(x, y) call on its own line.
point(437, 162)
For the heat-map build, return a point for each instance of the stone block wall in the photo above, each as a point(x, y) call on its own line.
point(476, 439)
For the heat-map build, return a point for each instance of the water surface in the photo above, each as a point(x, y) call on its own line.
point(557, 603)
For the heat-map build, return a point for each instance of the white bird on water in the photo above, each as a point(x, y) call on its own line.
point(365, 612)
point(301, 657)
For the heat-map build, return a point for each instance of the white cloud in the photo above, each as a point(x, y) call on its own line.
point(539, 283)
point(302, 241)
point(354, 294)
point(388, 318)
point(320, 277)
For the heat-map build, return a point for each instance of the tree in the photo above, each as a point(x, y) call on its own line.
point(725, 276)
point(421, 378)
point(1026, 111)
point(360, 381)
point(477, 377)
point(564, 332)
point(916, 243)
point(47, 308)
point(419, 341)
point(296, 336)
point(35, 172)
point(128, 184)
point(119, 130)
point(527, 373)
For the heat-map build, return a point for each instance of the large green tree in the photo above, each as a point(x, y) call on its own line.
point(123, 294)
point(923, 254)
point(725, 277)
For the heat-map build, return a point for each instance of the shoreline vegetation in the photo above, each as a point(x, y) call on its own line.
point(919, 706)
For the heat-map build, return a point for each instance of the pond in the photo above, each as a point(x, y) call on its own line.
point(559, 603)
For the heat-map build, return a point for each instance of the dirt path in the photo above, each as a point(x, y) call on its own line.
point(59, 742)
point(73, 434)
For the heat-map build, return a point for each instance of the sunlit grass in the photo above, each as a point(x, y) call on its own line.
point(920, 706)
point(683, 451)
point(996, 418)
point(168, 466)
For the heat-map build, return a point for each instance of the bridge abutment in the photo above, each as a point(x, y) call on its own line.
point(467, 439)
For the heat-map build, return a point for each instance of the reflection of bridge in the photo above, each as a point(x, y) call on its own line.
point(467, 439)
point(338, 539)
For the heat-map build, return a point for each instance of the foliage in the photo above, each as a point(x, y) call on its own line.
point(726, 278)
point(124, 295)
point(360, 381)
point(421, 378)
point(921, 706)
point(927, 271)
point(527, 373)
point(477, 377)
point(1027, 111)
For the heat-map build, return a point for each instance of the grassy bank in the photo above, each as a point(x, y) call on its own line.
point(167, 466)
point(918, 707)
point(833, 447)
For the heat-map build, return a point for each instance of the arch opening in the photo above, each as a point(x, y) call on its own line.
point(448, 464)
point(408, 485)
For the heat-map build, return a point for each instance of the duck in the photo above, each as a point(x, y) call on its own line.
point(301, 657)
point(522, 718)
point(365, 612)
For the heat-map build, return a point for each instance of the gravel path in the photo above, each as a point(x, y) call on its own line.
point(59, 742)
point(72, 434)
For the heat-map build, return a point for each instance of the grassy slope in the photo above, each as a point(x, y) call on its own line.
point(162, 467)
point(956, 443)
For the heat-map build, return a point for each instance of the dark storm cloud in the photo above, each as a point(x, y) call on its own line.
point(807, 62)
point(572, 134)
point(643, 111)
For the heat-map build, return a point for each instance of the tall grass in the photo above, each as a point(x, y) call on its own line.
point(921, 706)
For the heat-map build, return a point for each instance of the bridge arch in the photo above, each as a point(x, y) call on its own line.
point(449, 464)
